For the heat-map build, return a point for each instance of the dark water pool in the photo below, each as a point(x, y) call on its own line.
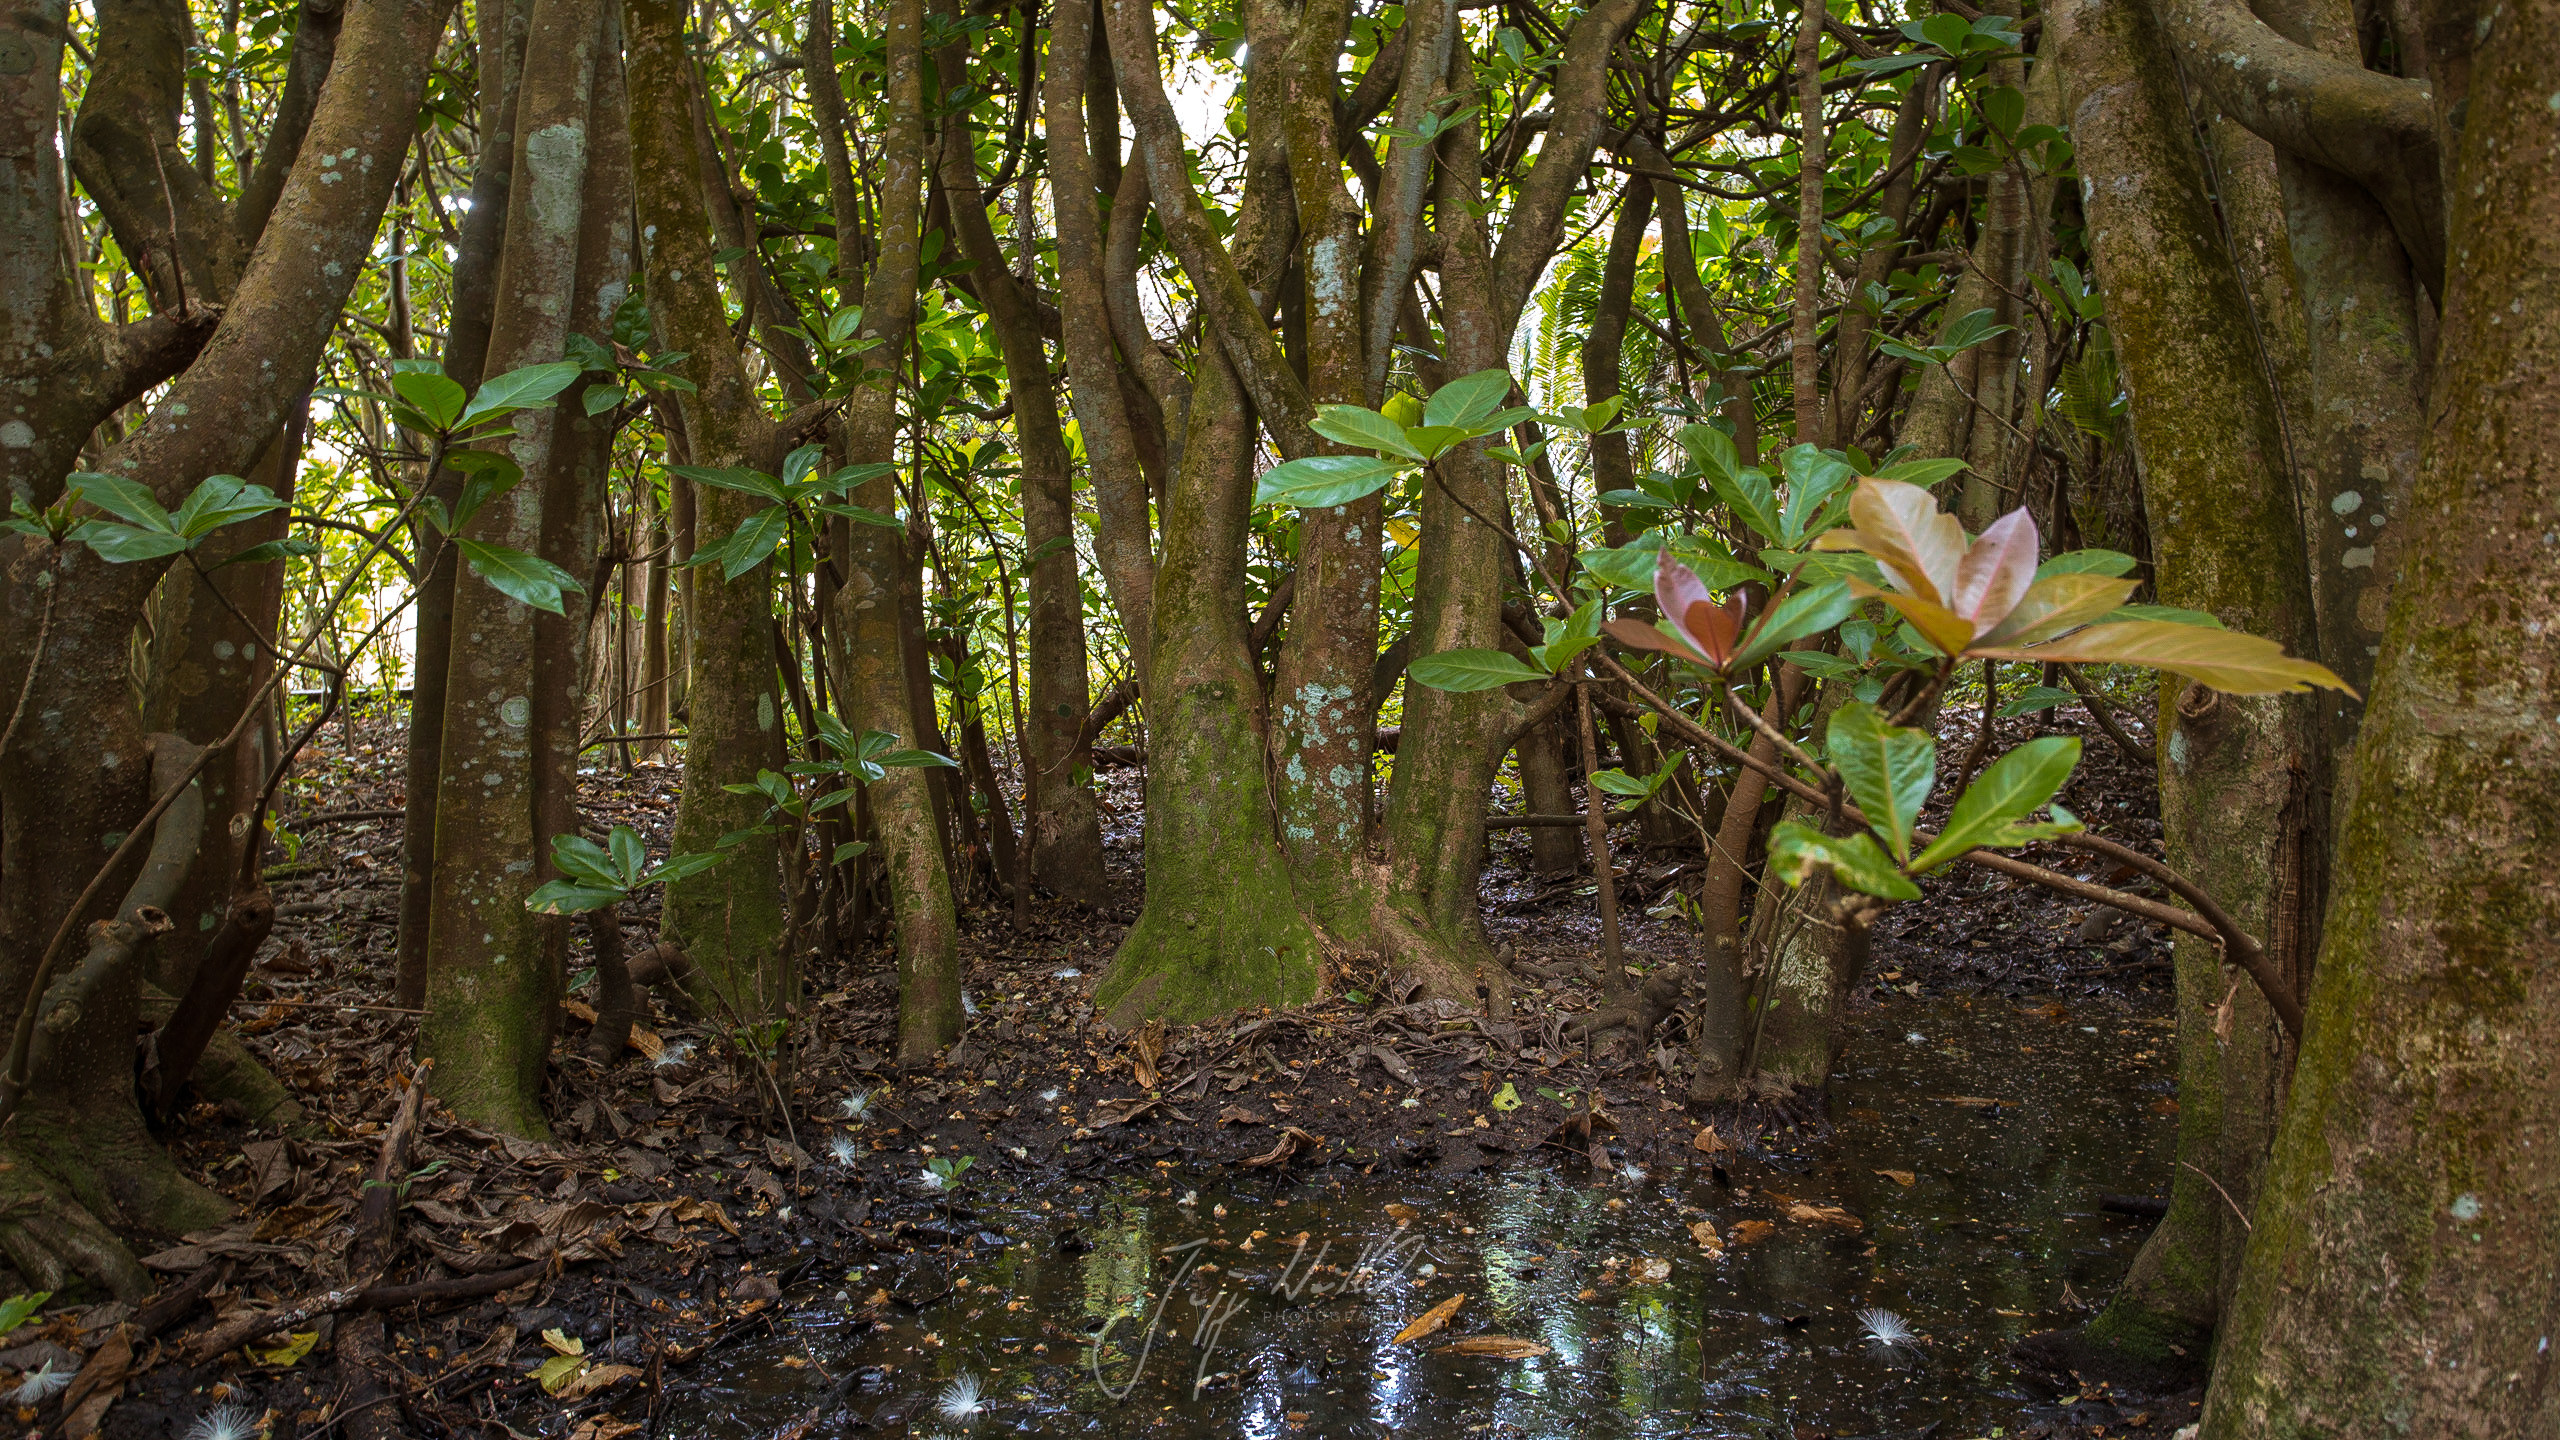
point(1972, 1141)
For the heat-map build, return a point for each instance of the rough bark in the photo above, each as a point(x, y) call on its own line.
point(728, 918)
point(2241, 795)
point(491, 982)
point(1066, 829)
point(869, 670)
point(2398, 1277)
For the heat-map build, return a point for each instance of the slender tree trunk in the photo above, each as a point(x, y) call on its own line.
point(870, 673)
point(475, 274)
point(491, 984)
point(1066, 839)
point(2398, 1278)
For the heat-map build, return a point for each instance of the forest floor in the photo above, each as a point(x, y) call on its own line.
point(676, 1213)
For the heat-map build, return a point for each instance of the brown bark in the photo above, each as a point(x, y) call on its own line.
point(2396, 1278)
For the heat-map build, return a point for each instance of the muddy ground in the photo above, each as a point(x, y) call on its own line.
point(674, 1203)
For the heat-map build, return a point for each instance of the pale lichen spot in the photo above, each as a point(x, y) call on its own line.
point(2346, 502)
point(17, 435)
point(764, 711)
point(2360, 558)
point(516, 710)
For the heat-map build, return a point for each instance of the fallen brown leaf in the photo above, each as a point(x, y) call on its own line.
point(1432, 1319)
point(1403, 1214)
point(1824, 1215)
point(1652, 1270)
point(1711, 1143)
point(1899, 1177)
point(1746, 1231)
point(1704, 1232)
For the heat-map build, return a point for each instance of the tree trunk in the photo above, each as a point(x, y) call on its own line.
point(492, 986)
point(870, 670)
point(2242, 795)
point(728, 918)
point(2396, 1281)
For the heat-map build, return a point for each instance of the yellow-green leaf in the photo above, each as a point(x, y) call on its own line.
point(2225, 660)
point(554, 1374)
point(295, 1346)
point(2055, 604)
point(1506, 1099)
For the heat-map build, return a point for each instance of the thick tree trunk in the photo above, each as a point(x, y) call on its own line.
point(2243, 798)
point(728, 918)
point(1221, 926)
point(2397, 1279)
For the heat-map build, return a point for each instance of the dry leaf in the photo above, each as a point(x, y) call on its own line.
point(1238, 1115)
point(1899, 1177)
point(578, 1010)
point(1432, 1319)
point(1711, 1143)
point(1500, 1347)
point(1704, 1232)
point(1403, 1214)
point(603, 1427)
point(647, 1042)
point(1824, 1215)
point(1649, 1271)
point(1746, 1231)
point(597, 1377)
point(1292, 1141)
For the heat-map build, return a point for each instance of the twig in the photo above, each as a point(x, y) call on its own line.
point(2225, 1194)
point(2105, 714)
point(44, 627)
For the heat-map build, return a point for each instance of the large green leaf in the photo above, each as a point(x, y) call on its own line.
point(583, 860)
point(1318, 482)
point(1889, 769)
point(2086, 562)
point(126, 544)
point(127, 500)
point(1362, 430)
point(1856, 861)
point(519, 576)
point(1812, 478)
point(567, 897)
point(1468, 400)
point(437, 400)
point(2017, 785)
point(2225, 660)
point(1809, 611)
point(220, 500)
point(753, 541)
point(1465, 670)
point(519, 389)
point(744, 481)
point(1712, 450)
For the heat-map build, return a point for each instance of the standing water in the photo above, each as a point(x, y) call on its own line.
point(1870, 1282)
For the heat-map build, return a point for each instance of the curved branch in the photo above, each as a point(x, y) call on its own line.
point(2378, 130)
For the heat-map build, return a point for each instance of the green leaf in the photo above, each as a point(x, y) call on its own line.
point(18, 1309)
point(628, 855)
point(125, 544)
point(851, 848)
point(744, 481)
point(1748, 491)
point(437, 400)
point(1856, 861)
point(519, 576)
point(2086, 562)
point(1468, 399)
point(519, 389)
point(2017, 785)
point(1889, 769)
point(1712, 450)
point(1470, 670)
point(680, 866)
point(1923, 473)
point(220, 500)
point(2037, 697)
point(748, 546)
point(600, 398)
point(1812, 478)
point(1362, 429)
point(1320, 481)
point(584, 860)
point(1636, 498)
point(567, 897)
point(128, 500)
point(1433, 441)
point(1806, 612)
point(865, 516)
point(913, 760)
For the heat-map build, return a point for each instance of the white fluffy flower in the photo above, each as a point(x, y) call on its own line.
point(673, 1054)
point(930, 1180)
point(843, 1151)
point(968, 1006)
point(1048, 1097)
point(962, 1401)
point(856, 1106)
point(1885, 1329)
point(42, 1384)
point(225, 1422)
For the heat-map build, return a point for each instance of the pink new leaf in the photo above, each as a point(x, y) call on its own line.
point(1996, 571)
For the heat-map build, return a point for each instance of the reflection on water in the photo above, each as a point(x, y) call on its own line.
point(1980, 1225)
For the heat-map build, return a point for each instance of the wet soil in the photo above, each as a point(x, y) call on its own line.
point(729, 1269)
